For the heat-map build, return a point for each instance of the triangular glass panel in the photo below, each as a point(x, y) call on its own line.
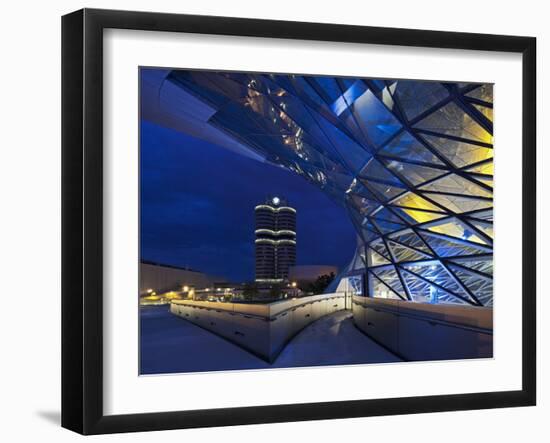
point(452, 120)
point(485, 168)
point(358, 262)
point(483, 215)
point(352, 91)
point(404, 254)
point(385, 226)
point(416, 97)
point(389, 276)
point(455, 228)
point(386, 95)
point(462, 85)
point(481, 287)
point(487, 228)
point(460, 154)
point(341, 181)
point(384, 191)
point(355, 156)
point(376, 170)
point(459, 204)
point(484, 92)
point(283, 85)
point(304, 151)
point(414, 216)
point(447, 247)
point(407, 147)
point(484, 264)
point(363, 205)
point(410, 238)
point(358, 188)
point(326, 86)
point(380, 247)
point(385, 214)
point(488, 180)
point(304, 90)
point(414, 174)
point(455, 184)
point(369, 235)
point(362, 254)
point(415, 201)
point(423, 292)
point(380, 290)
point(375, 120)
point(315, 175)
point(369, 225)
point(375, 259)
point(486, 111)
point(436, 273)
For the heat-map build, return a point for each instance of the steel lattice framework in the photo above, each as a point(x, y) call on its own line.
point(412, 162)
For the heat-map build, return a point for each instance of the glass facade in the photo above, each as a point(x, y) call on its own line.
point(411, 161)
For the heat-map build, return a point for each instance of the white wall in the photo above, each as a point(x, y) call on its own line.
point(451, 331)
point(30, 184)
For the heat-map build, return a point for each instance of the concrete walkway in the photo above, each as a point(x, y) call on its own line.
point(169, 344)
point(332, 340)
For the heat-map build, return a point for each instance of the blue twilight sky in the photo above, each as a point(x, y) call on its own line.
point(197, 207)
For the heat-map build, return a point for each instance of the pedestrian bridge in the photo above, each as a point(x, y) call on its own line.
point(170, 344)
point(263, 329)
point(412, 331)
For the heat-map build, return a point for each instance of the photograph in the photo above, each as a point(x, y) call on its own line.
point(296, 220)
point(274, 222)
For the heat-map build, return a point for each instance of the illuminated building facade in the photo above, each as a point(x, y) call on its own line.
point(275, 241)
point(411, 161)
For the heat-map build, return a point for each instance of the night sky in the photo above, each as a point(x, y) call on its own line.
point(197, 207)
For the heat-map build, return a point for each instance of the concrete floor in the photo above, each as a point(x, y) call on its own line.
point(169, 344)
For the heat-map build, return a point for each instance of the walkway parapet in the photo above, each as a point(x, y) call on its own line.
point(421, 331)
point(263, 329)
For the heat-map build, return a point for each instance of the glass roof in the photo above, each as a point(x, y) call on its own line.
point(411, 160)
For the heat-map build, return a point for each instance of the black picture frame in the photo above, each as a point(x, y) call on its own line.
point(82, 216)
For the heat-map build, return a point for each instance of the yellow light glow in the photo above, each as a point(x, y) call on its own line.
point(149, 291)
point(473, 128)
point(421, 216)
point(411, 200)
point(294, 284)
point(171, 295)
point(455, 229)
point(415, 201)
point(485, 168)
point(186, 288)
point(151, 297)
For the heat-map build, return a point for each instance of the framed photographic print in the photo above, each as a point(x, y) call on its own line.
point(270, 221)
